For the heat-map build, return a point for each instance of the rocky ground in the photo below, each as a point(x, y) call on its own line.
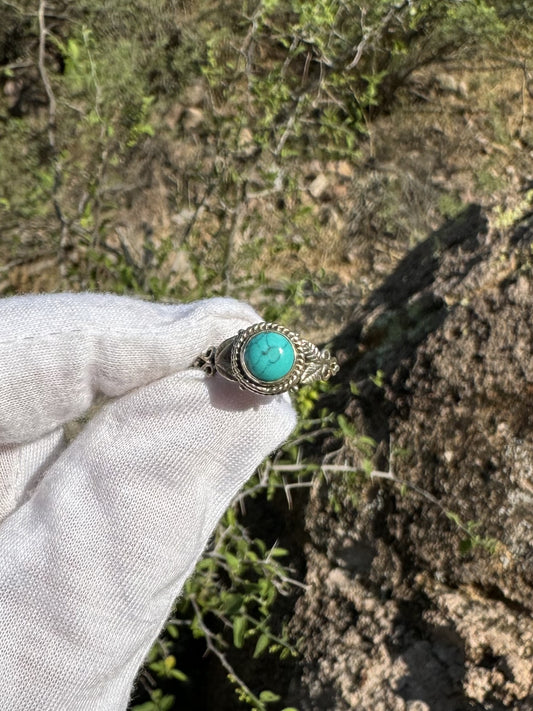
point(420, 598)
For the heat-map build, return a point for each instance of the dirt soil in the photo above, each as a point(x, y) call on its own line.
point(408, 607)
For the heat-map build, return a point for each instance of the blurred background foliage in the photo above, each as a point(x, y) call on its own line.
point(287, 152)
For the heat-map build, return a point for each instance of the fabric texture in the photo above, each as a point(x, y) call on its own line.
point(98, 537)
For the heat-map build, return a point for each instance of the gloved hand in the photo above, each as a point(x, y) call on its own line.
point(98, 537)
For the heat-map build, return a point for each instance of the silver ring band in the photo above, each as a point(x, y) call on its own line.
point(267, 358)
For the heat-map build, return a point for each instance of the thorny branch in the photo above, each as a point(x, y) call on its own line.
point(45, 79)
point(211, 646)
point(374, 474)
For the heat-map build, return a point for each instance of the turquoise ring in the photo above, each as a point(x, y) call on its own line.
point(268, 359)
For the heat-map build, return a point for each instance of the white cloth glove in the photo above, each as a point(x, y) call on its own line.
point(98, 537)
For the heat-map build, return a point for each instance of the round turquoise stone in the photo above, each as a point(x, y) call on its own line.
point(269, 356)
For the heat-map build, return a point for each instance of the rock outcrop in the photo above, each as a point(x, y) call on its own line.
point(420, 597)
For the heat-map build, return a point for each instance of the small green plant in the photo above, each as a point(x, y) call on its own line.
point(378, 378)
point(229, 599)
point(158, 702)
point(472, 539)
point(450, 205)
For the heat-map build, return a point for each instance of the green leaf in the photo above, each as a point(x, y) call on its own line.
point(172, 630)
point(233, 562)
point(453, 517)
point(196, 629)
point(166, 703)
point(73, 50)
point(231, 518)
point(268, 696)
point(279, 552)
point(158, 702)
point(378, 379)
point(157, 667)
point(206, 564)
point(368, 441)
point(239, 630)
point(347, 429)
point(170, 662)
point(354, 389)
point(232, 603)
point(261, 545)
point(179, 675)
point(261, 644)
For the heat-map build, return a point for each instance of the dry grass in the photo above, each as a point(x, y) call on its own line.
point(334, 229)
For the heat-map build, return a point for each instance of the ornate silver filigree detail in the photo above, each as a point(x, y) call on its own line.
point(227, 359)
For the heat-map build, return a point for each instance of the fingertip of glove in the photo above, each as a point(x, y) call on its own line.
point(206, 323)
point(225, 309)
